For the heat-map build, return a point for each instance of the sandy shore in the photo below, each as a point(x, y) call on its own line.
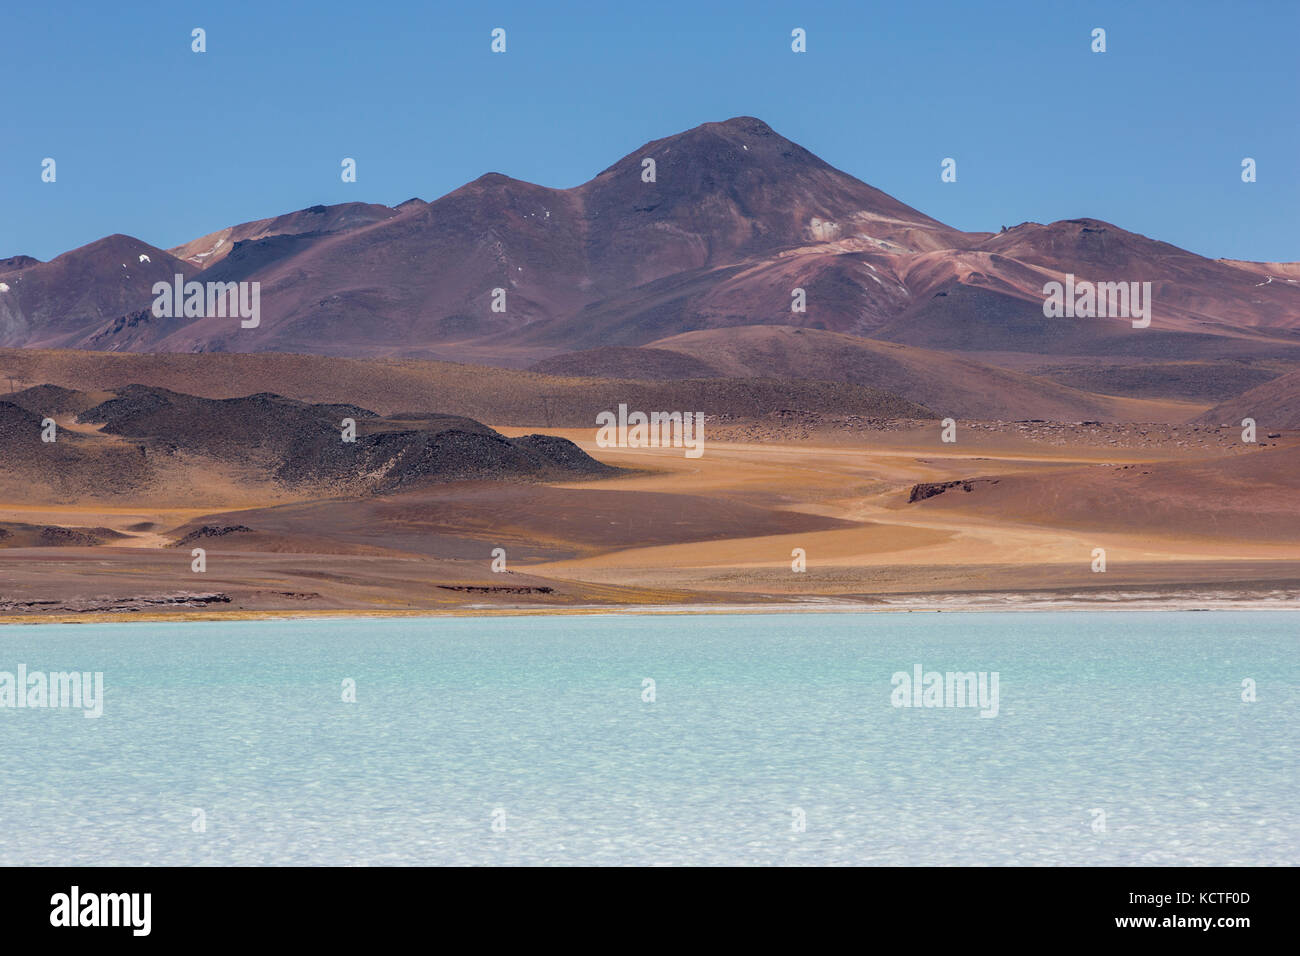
point(990, 603)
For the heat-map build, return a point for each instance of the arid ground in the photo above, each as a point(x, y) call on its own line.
point(887, 515)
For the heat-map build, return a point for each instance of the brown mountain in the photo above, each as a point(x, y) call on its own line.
point(14, 263)
point(53, 303)
point(990, 298)
point(736, 219)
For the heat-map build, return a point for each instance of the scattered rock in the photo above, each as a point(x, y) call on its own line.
point(930, 489)
point(485, 589)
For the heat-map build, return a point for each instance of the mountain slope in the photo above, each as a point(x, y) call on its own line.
point(206, 251)
point(50, 304)
point(735, 221)
point(1274, 404)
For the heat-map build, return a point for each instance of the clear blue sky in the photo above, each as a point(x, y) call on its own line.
point(165, 144)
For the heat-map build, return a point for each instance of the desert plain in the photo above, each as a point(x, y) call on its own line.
point(876, 512)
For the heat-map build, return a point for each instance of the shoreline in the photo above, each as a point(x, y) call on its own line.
point(1152, 605)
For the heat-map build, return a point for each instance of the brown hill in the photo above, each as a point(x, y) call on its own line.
point(495, 395)
point(950, 385)
point(1249, 495)
point(465, 521)
point(1204, 381)
point(1274, 404)
point(20, 428)
point(300, 444)
point(646, 363)
point(147, 443)
point(21, 535)
point(45, 400)
point(71, 467)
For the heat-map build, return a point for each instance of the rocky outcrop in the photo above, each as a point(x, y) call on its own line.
point(929, 489)
point(118, 604)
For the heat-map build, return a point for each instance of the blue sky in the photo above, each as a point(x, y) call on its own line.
point(164, 144)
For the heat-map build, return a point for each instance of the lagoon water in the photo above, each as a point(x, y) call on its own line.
point(540, 723)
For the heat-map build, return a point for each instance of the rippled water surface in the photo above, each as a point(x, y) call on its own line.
point(540, 724)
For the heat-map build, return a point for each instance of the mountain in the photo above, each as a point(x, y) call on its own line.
point(990, 298)
point(53, 303)
point(14, 263)
point(736, 219)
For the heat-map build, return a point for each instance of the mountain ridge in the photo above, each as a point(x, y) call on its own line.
point(733, 222)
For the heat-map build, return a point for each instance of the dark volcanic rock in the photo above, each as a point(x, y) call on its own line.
point(496, 589)
point(302, 444)
point(19, 535)
point(53, 536)
point(145, 602)
point(562, 452)
point(50, 400)
point(929, 489)
point(19, 427)
point(213, 531)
